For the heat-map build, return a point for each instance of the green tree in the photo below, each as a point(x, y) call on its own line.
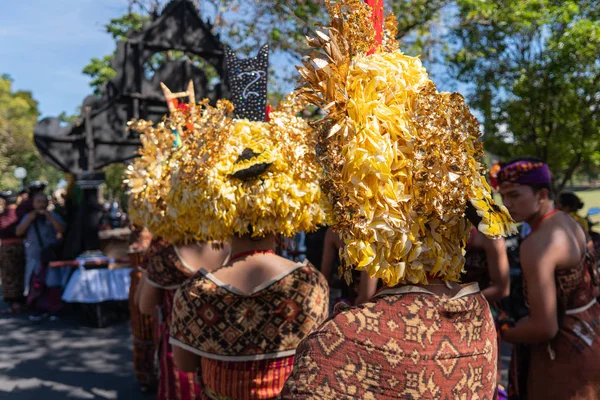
point(100, 69)
point(18, 117)
point(422, 27)
point(113, 184)
point(247, 24)
point(534, 66)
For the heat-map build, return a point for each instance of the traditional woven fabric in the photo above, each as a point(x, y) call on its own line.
point(12, 270)
point(156, 245)
point(230, 380)
point(248, 337)
point(173, 383)
point(218, 322)
point(405, 343)
point(165, 269)
point(568, 367)
point(477, 270)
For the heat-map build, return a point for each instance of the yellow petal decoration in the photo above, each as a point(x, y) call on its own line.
point(202, 197)
point(149, 177)
point(401, 161)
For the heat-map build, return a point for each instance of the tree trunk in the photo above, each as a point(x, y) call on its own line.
point(559, 185)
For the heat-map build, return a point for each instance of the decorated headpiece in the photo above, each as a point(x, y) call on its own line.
point(235, 175)
point(248, 79)
point(401, 160)
point(523, 172)
point(149, 176)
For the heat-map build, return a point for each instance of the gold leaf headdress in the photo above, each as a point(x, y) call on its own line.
point(149, 176)
point(401, 160)
point(203, 175)
point(239, 177)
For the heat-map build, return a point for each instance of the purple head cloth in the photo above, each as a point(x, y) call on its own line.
point(525, 173)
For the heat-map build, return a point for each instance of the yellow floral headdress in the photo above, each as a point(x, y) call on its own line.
point(149, 176)
point(227, 176)
point(237, 176)
point(401, 160)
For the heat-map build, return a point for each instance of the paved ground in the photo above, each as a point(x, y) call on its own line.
point(65, 360)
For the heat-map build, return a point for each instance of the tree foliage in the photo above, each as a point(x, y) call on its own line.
point(18, 116)
point(113, 184)
point(247, 24)
point(100, 69)
point(534, 66)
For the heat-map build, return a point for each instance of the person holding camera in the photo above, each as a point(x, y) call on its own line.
point(42, 230)
point(25, 206)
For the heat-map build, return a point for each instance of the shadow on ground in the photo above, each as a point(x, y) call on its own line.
point(64, 360)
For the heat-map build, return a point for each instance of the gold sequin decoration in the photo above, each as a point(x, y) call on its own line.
point(400, 160)
point(204, 201)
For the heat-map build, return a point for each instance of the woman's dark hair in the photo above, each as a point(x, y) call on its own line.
point(11, 200)
point(538, 187)
point(570, 200)
point(9, 196)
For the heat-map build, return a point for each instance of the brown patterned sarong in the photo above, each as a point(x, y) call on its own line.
point(164, 268)
point(568, 366)
point(143, 329)
point(12, 270)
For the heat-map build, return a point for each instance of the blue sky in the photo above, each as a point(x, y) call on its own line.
point(44, 45)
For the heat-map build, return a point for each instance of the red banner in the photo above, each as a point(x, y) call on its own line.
point(377, 19)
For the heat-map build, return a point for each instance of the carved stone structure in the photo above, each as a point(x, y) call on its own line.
point(101, 137)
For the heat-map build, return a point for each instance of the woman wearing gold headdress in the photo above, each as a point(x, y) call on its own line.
point(245, 181)
point(166, 266)
point(401, 169)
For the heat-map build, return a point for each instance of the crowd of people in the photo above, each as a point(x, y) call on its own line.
point(33, 226)
point(29, 230)
point(400, 283)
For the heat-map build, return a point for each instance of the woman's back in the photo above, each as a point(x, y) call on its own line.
point(247, 273)
point(405, 343)
point(246, 322)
